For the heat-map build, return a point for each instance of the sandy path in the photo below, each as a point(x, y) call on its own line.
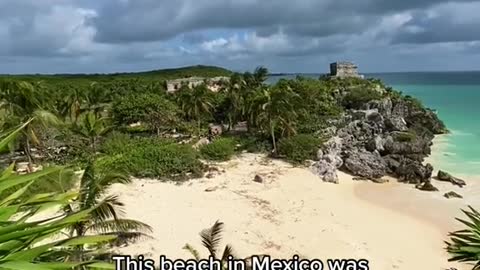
point(292, 212)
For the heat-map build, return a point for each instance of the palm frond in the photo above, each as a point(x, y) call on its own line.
point(46, 118)
point(211, 238)
point(108, 208)
point(106, 180)
point(126, 225)
point(465, 244)
point(192, 251)
point(128, 237)
point(227, 252)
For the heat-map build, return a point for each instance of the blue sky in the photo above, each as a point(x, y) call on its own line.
point(89, 36)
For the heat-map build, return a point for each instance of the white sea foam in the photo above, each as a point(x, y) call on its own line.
point(462, 133)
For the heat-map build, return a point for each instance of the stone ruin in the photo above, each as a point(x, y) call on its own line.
point(344, 70)
point(214, 84)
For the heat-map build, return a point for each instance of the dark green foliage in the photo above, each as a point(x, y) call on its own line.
point(196, 104)
point(153, 110)
point(116, 143)
point(221, 149)
point(150, 157)
point(408, 136)
point(275, 111)
point(254, 144)
point(174, 73)
point(299, 148)
point(414, 102)
point(465, 244)
point(317, 105)
point(355, 98)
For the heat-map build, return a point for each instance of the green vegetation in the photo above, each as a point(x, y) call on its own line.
point(105, 217)
point(196, 104)
point(299, 148)
point(154, 111)
point(465, 244)
point(116, 126)
point(356, 97)
point(211, 239)
point(219, 150)
point(408, 136)
point(79, 111)
point(254, 144)
point(150, 157)
point(26, 240)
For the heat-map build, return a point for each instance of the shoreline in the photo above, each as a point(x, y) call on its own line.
point(405, 198)
point(291, 212)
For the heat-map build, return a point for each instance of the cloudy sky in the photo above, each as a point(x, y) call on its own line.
point(68, 36)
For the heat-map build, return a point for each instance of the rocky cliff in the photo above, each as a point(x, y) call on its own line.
point(388, 135)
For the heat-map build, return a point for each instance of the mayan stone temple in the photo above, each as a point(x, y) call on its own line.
point(344, 70)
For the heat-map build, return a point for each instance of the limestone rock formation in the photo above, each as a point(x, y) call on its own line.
point(329, 160)
point(390, 136)
point(366, 164)
point(427, 186)
point(444, 176)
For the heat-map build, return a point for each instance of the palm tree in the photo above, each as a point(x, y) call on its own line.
point(107, 209)
point(235, 104)
point(465, 245)
point(91, 127)
point(27, 240)
point(257, 78)
point(21, 101)
point(72, 105)
point(97, 98)
point(211, 239)
point(274, 109)
point(260, 75)
point(195, 103)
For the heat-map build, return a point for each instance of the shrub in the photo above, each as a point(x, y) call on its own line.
point(150, 157)
point(254, 144)
point(299, 148)
point(156, 111)
point(356, 97)
point(116, 143)
point(405, 136)
point(221, 149)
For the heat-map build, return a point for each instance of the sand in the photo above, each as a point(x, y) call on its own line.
point(293, 212)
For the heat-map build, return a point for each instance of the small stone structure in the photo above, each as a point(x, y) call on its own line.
point(344, 70)
point(213, 84)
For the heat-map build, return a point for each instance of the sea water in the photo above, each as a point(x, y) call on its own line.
point(456, 98)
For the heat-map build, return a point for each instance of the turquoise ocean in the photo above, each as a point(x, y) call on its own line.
point(456, 98)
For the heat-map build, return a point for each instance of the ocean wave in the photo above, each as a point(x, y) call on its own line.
point(474, 162)
point(462, 133)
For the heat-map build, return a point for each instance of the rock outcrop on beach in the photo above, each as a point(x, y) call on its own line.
point(444, 176)
point(452, 194)
point(388, 136)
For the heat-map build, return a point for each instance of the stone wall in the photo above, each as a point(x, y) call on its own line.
point(212, 83)
point(344, 70)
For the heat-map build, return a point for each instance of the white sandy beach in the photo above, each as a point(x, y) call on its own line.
point(394, 226)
